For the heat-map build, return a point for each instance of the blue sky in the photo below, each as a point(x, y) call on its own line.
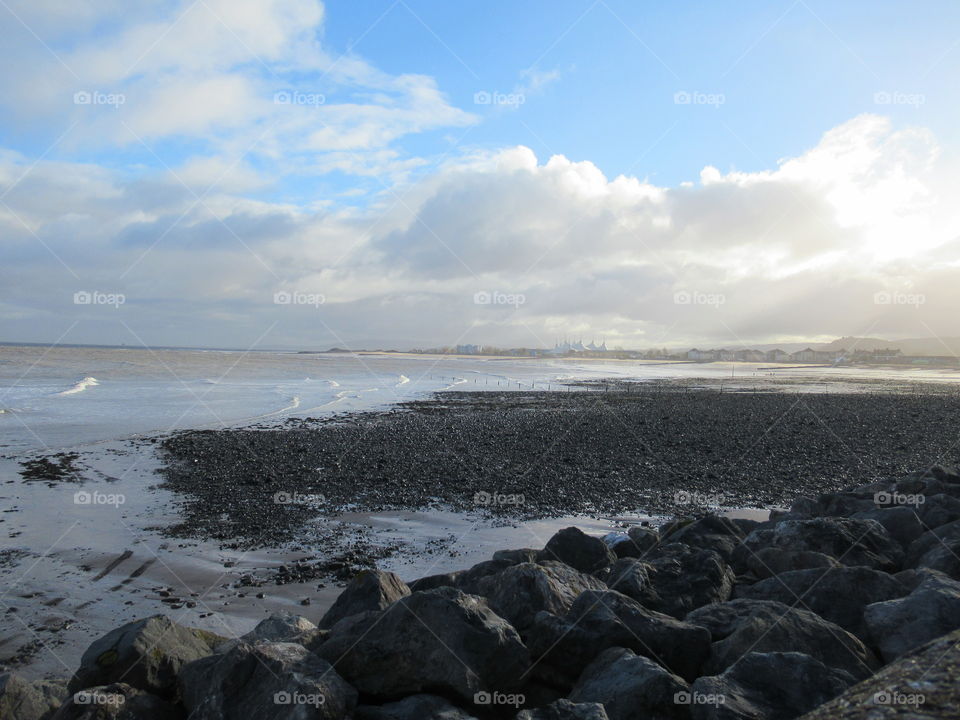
point(778, 145)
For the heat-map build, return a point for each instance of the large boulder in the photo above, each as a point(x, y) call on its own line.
point(629, 576)
point(838, 595)
point(767, 686)
point(943, 557)
point(521, 591)
point(628, 686)
point(281, 681)
point(439, 640)
point(413, 707)
point(739, 627)
point(603, 619)
point(280, 627)
point(146, 654)
point(682, 578)
point(850, 541)
point(116, 701)
point(563, 709)
point(937, 510)
point(720, 534)
point(26, 700)
point(931, 610)
point(938, 537)
point(642, 539)
point(921, 685)
point(901, 522)
point(369, 590)
point(767, 562)
point(578, 550)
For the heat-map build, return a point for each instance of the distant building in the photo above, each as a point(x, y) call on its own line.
point(469, 349)
point(777, 355)
point(805, 355)
point(750, 356)
point(701, 355)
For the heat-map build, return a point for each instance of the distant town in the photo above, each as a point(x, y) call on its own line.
point(808, 355)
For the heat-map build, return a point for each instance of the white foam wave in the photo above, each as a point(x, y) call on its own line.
point(80, 386)
point(403, 380)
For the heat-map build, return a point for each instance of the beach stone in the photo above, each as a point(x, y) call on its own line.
point(629, 576)
point(720, 534)
point(564, 709)
point(642, 538)
point(439, 640)
point(29, 700)
point(468, 581)
point(768, 562)
point(921, 685)
point(368, 590)
point(281, 681)
point(850, 541)
point(434, 581)
point(280, 627)
point(767, 686)
point(836, 504)
point(937, 510)
point(521, 555)
point(603, 619)
point(682, 578)
point(628, 686)
point(838, 595)
point(902, 523)
point(146, 654)
point(521, 591)
point(116, 701)
point(738, 627)
point(938, 537)
point(931, 610)
point(414, 707)
point(578, 550)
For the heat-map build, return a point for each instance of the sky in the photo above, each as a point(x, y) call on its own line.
point(419, 173)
